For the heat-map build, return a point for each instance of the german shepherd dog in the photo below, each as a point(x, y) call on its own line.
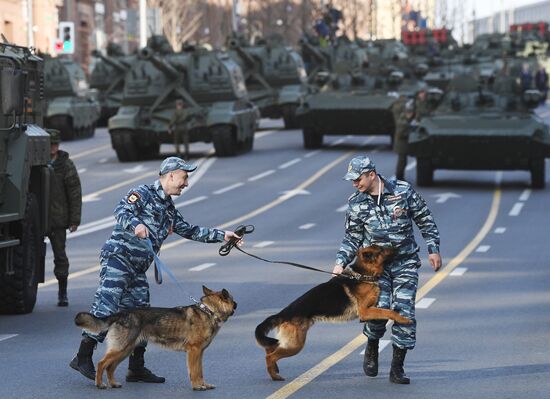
point(187, 328)
point(340, 299)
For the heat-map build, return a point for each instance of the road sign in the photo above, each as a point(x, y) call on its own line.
point(66, 38)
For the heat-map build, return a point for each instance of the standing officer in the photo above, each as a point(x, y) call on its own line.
point(177, 127)
point(145, 213)
point(405, 115)
point(65, 210)
point(382, 212)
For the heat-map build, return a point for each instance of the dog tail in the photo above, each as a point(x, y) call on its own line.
point(91, 323)
point(264, 328)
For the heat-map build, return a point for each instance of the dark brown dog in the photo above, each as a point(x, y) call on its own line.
point(339, 299)
point(187, 328)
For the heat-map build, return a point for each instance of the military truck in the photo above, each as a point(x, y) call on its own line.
point(211, 86)
point(71, 108)
point(482, 125)
point(274, 75)
point(107, 78)
point(24, 179)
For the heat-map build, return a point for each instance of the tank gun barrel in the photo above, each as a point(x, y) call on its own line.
point(247, 58)
point(149, 55)
point(118, 65)
point(312, 51)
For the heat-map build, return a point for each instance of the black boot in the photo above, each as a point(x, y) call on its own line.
point(137, 370)
point(370, 361)
point(83, 362)
point(397, 374)
point(62, 299)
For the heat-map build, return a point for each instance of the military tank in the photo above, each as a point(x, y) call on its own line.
point(482, 126)
point(107, 78)
point(356, 96)
point(274, 74)
point(24, 178)
point(211, 86)
point(71, 108)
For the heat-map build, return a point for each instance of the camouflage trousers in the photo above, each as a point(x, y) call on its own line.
point(120, 287)
point(398, 286)
point(58, 238)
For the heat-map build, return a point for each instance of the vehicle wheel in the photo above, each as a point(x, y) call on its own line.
point(312, 139)
point(18, 290)
point(125, 146)
point(248, 144)
point(424, 172)
point(224, 140)
point(150, 151)
point(538, 175)
point(289, 116)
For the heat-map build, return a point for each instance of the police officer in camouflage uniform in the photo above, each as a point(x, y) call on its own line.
point(145, 213)
point(404, 111)
point(65, 210)
point(382, 212)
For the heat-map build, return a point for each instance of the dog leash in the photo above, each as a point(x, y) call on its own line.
point(247, 229)
point(160, 266)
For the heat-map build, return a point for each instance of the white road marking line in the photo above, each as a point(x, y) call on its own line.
point(412, 165)
point(289, 163)
point(191, 201)
point(228, 188)
point(337, 142)
point(306, 226)
point(312, 153)
point(483, 248)
point(264, 174)
point(516, 209)
point(83, 170)
point(264, 244)
point(525, 194)
point(459, 271)
point(343, 208)
point(4, 337)
point(424, 303)
point(500, 230)
point(201, 267)
point(103, 160)
point(381, 345)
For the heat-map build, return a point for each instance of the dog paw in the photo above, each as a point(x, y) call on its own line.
point(277, 377)
point(200, 388)
point(209, 386)
point(116, 385)
point(101, 386)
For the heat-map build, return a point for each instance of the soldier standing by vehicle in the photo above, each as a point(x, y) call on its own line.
point(65, 210)
point(178, 127)
point(405, 115)
point(382, 212)
point(146, 213)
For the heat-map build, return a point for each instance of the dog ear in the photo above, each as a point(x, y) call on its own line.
point(225, 293)
point(206, 290)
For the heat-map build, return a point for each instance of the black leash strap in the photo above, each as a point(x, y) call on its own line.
point(232, 243)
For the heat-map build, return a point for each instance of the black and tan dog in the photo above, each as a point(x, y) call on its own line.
point(339, 299)
point(188, 328)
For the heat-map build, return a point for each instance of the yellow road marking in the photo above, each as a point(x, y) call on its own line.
point(231, 223)
point(360, 340)
point(91, 151)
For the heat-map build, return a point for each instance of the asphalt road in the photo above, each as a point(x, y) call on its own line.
point(483, 320)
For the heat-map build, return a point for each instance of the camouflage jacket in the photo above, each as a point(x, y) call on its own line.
point(150, 206)
point(388, 224)
point(65, 193)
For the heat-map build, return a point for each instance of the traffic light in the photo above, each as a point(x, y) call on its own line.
point(66, 37)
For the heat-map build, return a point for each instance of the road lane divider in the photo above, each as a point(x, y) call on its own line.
point(90, 151)
point(308, 376)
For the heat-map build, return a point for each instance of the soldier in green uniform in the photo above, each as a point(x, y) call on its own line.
point(65, 210)
point(404, 114)
point(422, 108)
point(178, 127)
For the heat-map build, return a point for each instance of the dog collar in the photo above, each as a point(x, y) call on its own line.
point(204, 307)
point(361, 277)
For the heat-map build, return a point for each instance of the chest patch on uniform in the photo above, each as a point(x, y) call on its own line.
point(398, 211)
point(393, 197)
point(133, 198)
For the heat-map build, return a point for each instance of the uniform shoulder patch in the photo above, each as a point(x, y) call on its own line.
point(134, 197)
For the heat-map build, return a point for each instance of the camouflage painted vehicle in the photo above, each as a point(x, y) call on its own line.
point(24, 179)
point(356, 98)
point(274, 74)
point(107, 78)
point(482, 127)
point(210, 84)
point(71, 108)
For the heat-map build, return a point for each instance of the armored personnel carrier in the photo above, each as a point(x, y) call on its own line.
point(107, 78)
point(211, 86)
point(24, 179)
point(482, 127)
point(71, 108)
point(356, 96)
point(274, 74)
